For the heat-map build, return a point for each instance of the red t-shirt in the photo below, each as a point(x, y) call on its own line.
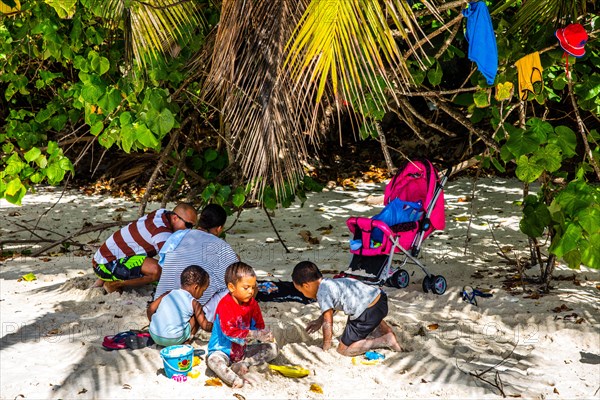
point(232, 323)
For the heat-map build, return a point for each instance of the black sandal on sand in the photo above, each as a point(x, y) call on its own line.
point(139, 340)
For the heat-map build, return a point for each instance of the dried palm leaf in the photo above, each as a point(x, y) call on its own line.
point(256, 96)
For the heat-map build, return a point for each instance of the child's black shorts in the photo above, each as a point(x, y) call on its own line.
point(359, 328)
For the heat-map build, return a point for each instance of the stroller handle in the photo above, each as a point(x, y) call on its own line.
point(365, 226)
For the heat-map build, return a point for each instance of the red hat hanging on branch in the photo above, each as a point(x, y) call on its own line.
point(572, 39)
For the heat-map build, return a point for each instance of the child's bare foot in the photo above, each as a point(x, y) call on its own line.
point(392, 342)
point(241, 368)
point(114, 286)
point(98, 283)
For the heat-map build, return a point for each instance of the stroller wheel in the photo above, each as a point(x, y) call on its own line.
point(427, 283)
point(400, 279)
point(439, 285)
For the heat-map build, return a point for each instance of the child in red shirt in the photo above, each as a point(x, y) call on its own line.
point(238, 320)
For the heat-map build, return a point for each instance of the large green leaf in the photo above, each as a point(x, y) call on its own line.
point(574, 198)
point(565, 138)
point(13, 187)
point(536, 218)
point(91, 93)
point(522, 142)
point(528, 171)
point(566, 242)
point(99, 64)
point(481, 98)
point(539, 129)
point(145, 136)
point(590, 251)
point(589, 219)
point(32, 154)
point(64, 8)
point(434, 75)
point(166, 122)
point(548, 157)
point(573, 259)
point(55, 173)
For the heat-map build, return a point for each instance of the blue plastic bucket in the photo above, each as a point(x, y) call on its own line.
point(177, 359)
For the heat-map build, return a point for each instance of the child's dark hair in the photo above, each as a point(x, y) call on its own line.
point(237, 271)
point(305, 272)
point(194, 274)
point(212, 215)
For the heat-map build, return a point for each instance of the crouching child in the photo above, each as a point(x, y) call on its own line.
point(366, 307)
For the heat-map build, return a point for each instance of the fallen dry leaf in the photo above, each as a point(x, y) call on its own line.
point(308, 237)
point(126, 386)
point(325, 228)
point(556, 391)
point(213, 382)
point(239, 396)
point(316, 388)
point(54, 331)
point(598, 287)
point(534, 296)
point(433, 327)
point(563, 307)
point(84, 390)
point(120, 209)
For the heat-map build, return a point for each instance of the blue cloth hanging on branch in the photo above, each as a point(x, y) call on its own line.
point(482, 40)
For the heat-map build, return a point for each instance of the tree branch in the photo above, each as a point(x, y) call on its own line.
point(466, 123)
point(84, 230)
point(433, 34)
point(423, 119)
point(582, 129)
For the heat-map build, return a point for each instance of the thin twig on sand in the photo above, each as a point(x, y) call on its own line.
point(276, 232)
point(83, 230)
point(497, 383)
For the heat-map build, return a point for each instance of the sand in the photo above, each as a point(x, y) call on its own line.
point(52, 327)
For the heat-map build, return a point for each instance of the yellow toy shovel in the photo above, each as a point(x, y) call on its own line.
point(291, 371)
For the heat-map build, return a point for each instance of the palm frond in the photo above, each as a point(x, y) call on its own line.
point(350, 44)
point(545, 12)
point(256, 96)
point(150, 27)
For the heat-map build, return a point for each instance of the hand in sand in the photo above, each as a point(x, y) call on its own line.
point(315, 325)
point(262, 335)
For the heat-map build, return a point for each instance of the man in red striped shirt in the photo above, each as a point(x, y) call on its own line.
point(126, 258)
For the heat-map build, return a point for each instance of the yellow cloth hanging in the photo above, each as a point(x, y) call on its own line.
point(530, 75)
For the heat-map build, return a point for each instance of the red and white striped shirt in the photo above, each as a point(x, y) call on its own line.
point(146, 236)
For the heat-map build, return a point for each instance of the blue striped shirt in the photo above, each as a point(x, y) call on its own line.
point(197, 247)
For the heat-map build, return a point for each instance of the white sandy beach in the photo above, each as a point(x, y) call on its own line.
point(52, 327)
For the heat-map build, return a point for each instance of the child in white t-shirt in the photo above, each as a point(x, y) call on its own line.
point(366, 307)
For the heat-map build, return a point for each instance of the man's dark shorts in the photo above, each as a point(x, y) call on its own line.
point(359, 328)
point(123, 269)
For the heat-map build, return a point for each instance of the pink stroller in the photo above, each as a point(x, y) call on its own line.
point(416, 185)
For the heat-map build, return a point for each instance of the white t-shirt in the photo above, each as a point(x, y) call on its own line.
point(173, 314)
point(346, 294)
